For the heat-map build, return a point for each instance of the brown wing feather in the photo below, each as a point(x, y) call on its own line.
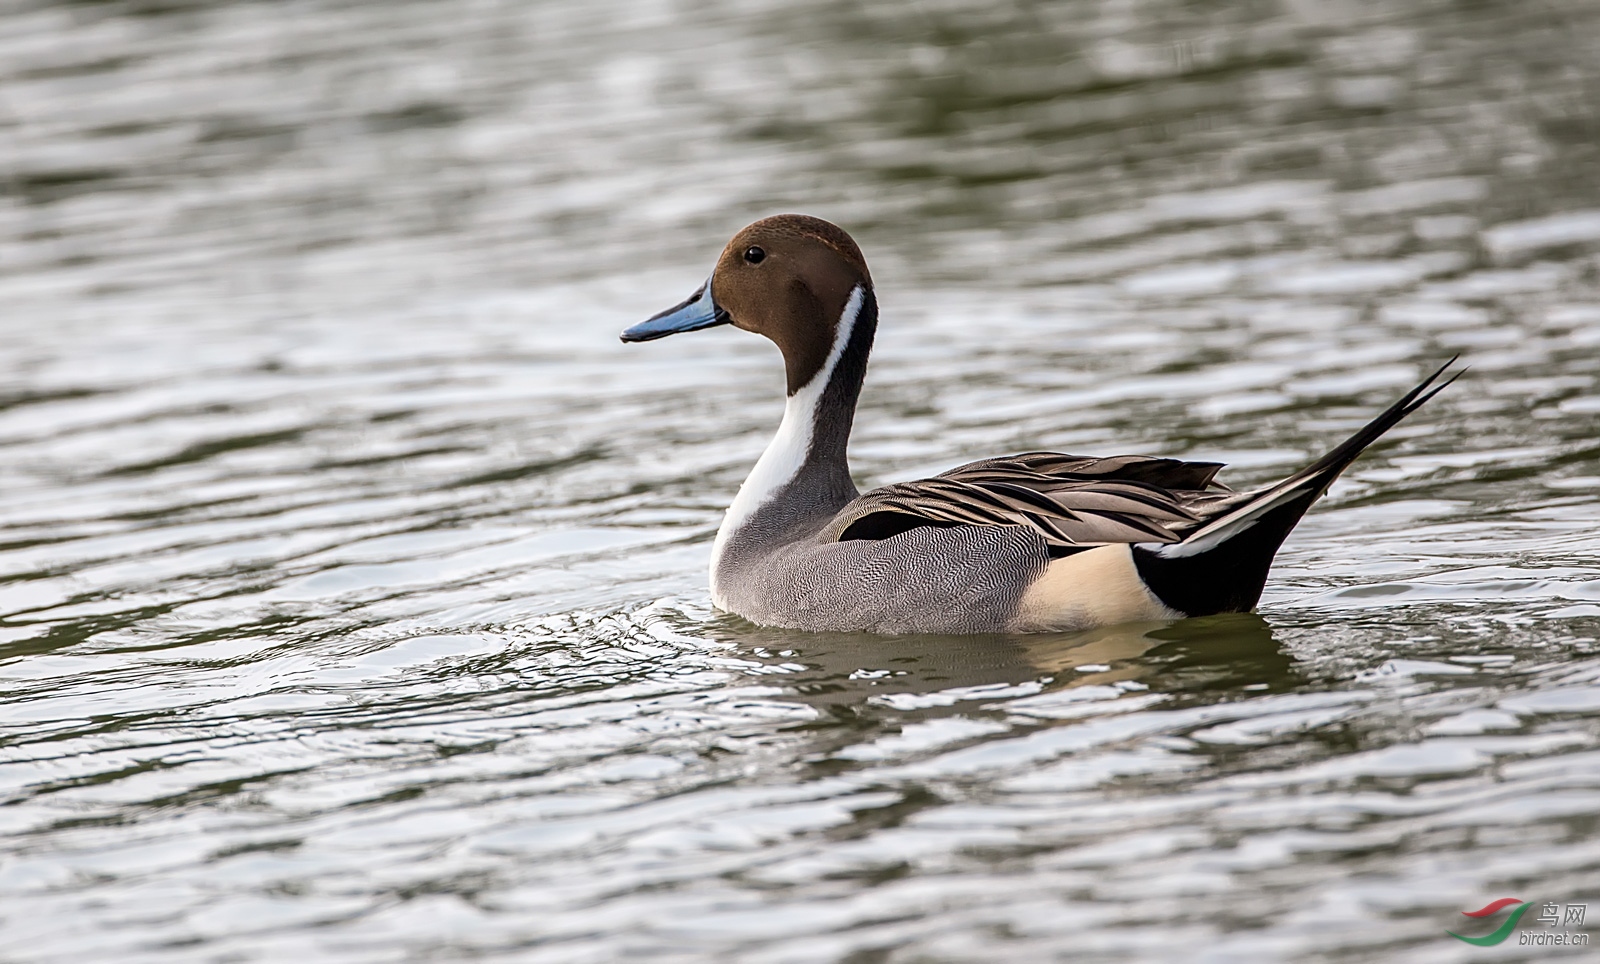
point(1073, 502)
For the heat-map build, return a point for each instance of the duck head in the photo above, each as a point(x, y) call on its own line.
point(789, 277)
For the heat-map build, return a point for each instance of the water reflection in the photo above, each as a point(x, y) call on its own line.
point(352, 578)
point(849, 675)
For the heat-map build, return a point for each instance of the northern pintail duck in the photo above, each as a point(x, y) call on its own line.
point(1021, 543)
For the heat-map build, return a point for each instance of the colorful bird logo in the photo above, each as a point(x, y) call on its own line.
point(1504, 931)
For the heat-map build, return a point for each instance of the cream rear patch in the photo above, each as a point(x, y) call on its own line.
point(1096, 587)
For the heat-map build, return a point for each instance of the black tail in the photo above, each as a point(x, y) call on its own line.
point(1222, 566)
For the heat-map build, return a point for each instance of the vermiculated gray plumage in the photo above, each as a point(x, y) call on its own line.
point(966, 579)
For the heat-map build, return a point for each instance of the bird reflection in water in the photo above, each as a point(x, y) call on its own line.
point(860, 675)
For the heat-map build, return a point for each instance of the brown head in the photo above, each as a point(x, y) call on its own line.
point(788, 277)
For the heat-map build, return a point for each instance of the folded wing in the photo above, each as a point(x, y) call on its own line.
point(1073, 502)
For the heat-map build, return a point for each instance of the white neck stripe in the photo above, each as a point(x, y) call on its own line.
point(787, 451)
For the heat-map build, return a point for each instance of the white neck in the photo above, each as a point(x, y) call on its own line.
point(787, 451)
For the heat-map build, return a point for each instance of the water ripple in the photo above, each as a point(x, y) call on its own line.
point(352, 599)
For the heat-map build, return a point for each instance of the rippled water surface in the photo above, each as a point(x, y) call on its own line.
point(352, 575)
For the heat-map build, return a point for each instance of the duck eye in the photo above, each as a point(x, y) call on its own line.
point(754, 255)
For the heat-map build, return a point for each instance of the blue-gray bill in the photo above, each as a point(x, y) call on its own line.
point(698, 311)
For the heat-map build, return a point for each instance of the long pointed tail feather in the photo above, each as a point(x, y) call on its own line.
point(1222, 565)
